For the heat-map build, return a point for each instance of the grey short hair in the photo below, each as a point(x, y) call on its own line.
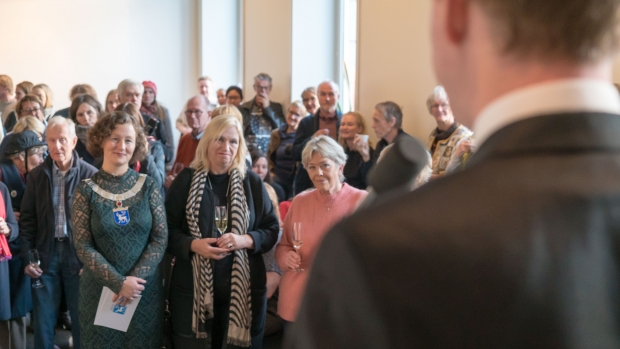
point(263, 77)
point(327, 147)
point(62, 121)
point(302, 109)
point(331, 83)
point(310, 89)
point(391, 110)
point(439, 94)
point(126, 83)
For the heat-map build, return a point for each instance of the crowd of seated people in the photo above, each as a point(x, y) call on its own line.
point(75, 181)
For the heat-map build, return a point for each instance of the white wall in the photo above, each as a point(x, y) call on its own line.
point(267, 46)
point(62, 43)
point(221, 50)
point(394, 61)
point(315, 45)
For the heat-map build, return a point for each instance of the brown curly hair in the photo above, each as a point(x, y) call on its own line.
point(103, 129)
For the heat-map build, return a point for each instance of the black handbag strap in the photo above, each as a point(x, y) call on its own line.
point(168, 283)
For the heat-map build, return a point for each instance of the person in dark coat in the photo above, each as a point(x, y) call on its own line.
point(261, 114)
point(13, 307)
point(326, 121)
point(233, 306)
point(45, 225)
point(519, 250)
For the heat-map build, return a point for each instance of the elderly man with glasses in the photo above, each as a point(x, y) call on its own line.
point(198, 114)
point(443, 141)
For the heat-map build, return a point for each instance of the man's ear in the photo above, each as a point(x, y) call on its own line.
point(457, 19)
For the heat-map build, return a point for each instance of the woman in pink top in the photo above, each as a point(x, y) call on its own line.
point(317, 211)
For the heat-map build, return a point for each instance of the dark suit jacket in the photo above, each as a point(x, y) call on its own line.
point(520, 250)
point(306, 129)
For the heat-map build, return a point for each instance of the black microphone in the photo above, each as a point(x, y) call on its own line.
point(395, 174)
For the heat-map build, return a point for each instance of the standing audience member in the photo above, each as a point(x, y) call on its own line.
point(326, 122)
point(310, 100)
point(234, 96)
point(387, 122)
point(46, 96)
point(12, 315)
point(206, 87)
point(28, 105)
point(332, 200)
point(442, 141)
point(121, 236)
point(111, 101)
point(25, 152)
point(197, 115)
point(261, 168)
point(151, 107)
point(7, 95)
point(354, 140)
point(85, 110)
point(226, 305)
point(264, 115)
point(153, 164)
point(221, 96)
point(75, 91)
point(21, 90)
point(45, 225)
point(130, 91)
point(280, 152)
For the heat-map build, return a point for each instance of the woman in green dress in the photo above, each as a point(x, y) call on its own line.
point(120, 236)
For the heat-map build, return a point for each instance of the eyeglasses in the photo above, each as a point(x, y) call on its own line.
point(437, 105)
point(30, 111)
point(189, 113)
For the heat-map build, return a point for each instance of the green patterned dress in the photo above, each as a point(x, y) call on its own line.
point(110, 252)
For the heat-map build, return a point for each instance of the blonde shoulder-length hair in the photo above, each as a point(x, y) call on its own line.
point(212, 133)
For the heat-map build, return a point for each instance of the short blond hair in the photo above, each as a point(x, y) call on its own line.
point(31, 123)
point(227, 109)
point(213, 132)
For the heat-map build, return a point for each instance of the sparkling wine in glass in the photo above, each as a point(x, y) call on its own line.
point(221, 219)
point(297, 240)
point(35, 262)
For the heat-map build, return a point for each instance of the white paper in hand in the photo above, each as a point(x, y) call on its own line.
point(112, 315)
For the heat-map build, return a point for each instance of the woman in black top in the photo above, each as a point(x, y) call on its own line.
point(355, 142)
point(230, 306)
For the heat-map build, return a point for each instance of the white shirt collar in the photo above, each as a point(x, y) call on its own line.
point(563, 96)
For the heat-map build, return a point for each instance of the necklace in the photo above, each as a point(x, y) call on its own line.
point(120, 213)
point(211, 185)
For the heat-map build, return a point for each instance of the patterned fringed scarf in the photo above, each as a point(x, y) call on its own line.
point(240, 312)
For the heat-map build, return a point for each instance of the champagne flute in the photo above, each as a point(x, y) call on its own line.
point(178, 167)
point(297, 240)
point(221, 219)
point(35, 262)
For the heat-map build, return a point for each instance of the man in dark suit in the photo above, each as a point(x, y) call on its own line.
point(520, 250)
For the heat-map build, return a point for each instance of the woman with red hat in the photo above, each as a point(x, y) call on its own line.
point(151, 107)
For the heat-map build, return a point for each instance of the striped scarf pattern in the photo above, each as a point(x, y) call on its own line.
point(240, 312)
